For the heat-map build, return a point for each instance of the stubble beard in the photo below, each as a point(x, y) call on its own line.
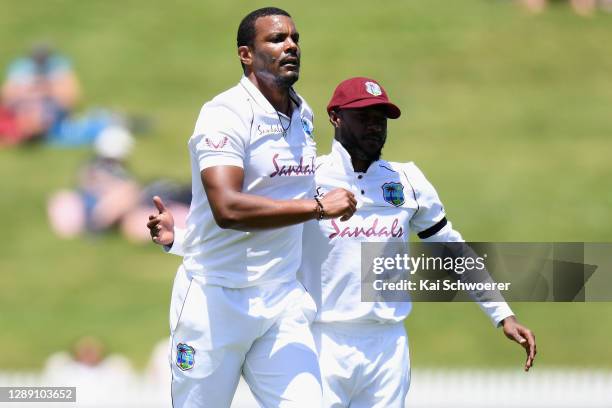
point(286, 81)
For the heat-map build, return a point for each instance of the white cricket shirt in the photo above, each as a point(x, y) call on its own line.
point(331, 262)
point(240, 128)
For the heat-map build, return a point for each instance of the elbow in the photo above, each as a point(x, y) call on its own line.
point(225, 223)
point(226, 219)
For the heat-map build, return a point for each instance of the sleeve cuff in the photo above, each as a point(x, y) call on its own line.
point(226, 160)
point(177, 246)
point(497, 311)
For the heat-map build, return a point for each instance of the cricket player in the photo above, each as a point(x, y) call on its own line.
point(363, 346)
point(237, 307)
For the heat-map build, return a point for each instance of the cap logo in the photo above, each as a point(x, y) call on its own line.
point(373, 88)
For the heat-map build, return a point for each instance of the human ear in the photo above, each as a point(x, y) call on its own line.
point(334, 119)
point(246, 55)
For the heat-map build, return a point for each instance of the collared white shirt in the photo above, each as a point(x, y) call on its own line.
point(240, 128)
point(393, 200)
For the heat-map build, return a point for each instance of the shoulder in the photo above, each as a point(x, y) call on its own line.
point(409, 168)
point(234, 101)
point(413, 174)
point(228, 110)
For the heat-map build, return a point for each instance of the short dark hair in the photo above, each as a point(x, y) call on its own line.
point(246, 29)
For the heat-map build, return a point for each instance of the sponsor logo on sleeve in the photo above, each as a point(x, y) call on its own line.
point(216, 144)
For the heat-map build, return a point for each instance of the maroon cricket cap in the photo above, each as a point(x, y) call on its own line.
point(360, 92)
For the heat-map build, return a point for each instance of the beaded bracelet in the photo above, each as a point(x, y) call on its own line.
point(320, 209)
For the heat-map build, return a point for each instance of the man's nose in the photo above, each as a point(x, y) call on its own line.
point(291, 45)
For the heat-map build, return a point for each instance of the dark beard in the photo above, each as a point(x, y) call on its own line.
point(357, 153)
point(352, 147)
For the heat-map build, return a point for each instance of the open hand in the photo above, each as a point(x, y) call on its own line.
point(523, 336)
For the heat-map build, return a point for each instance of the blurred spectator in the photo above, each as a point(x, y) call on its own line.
point(38, 99)
point(158, 370)
point(107, 195)
point(39, 91)
point(105, 191)
point(580, 7)
point(88, 368)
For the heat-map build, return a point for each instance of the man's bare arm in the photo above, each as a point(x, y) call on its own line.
point(236, 210)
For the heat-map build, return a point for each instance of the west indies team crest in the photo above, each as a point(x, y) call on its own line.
point(185, 356)
point(393, 193)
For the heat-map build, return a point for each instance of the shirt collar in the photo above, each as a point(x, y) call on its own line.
point(341, 157)
point(261, 100)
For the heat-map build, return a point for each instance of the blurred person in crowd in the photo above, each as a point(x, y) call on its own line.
point(38, 100)
point(580, 7)
point(39, 91)
point(105, 191)
point(88, 367)
point(157, 371)
point(108, 195)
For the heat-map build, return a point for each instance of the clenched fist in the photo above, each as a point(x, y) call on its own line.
point(339, 203)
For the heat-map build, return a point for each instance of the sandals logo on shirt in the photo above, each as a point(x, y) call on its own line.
point(218, 144)
point(393, 193)
point(185, 356)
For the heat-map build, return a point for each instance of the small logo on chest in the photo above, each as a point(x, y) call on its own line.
point(264, 130)
point(393, 193)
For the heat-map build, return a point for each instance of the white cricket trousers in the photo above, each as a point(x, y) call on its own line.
point(363, 365)
point(261, 332)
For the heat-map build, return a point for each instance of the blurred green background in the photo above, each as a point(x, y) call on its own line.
point(509, 116)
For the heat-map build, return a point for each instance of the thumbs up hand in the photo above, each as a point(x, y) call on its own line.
point(161, 226)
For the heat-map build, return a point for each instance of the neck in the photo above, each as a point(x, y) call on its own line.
point(360, 165)
point(277, 95)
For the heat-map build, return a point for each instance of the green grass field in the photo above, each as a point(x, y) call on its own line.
point(507, 114)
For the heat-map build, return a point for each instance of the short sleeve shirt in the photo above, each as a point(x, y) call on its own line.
point(240, 128)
